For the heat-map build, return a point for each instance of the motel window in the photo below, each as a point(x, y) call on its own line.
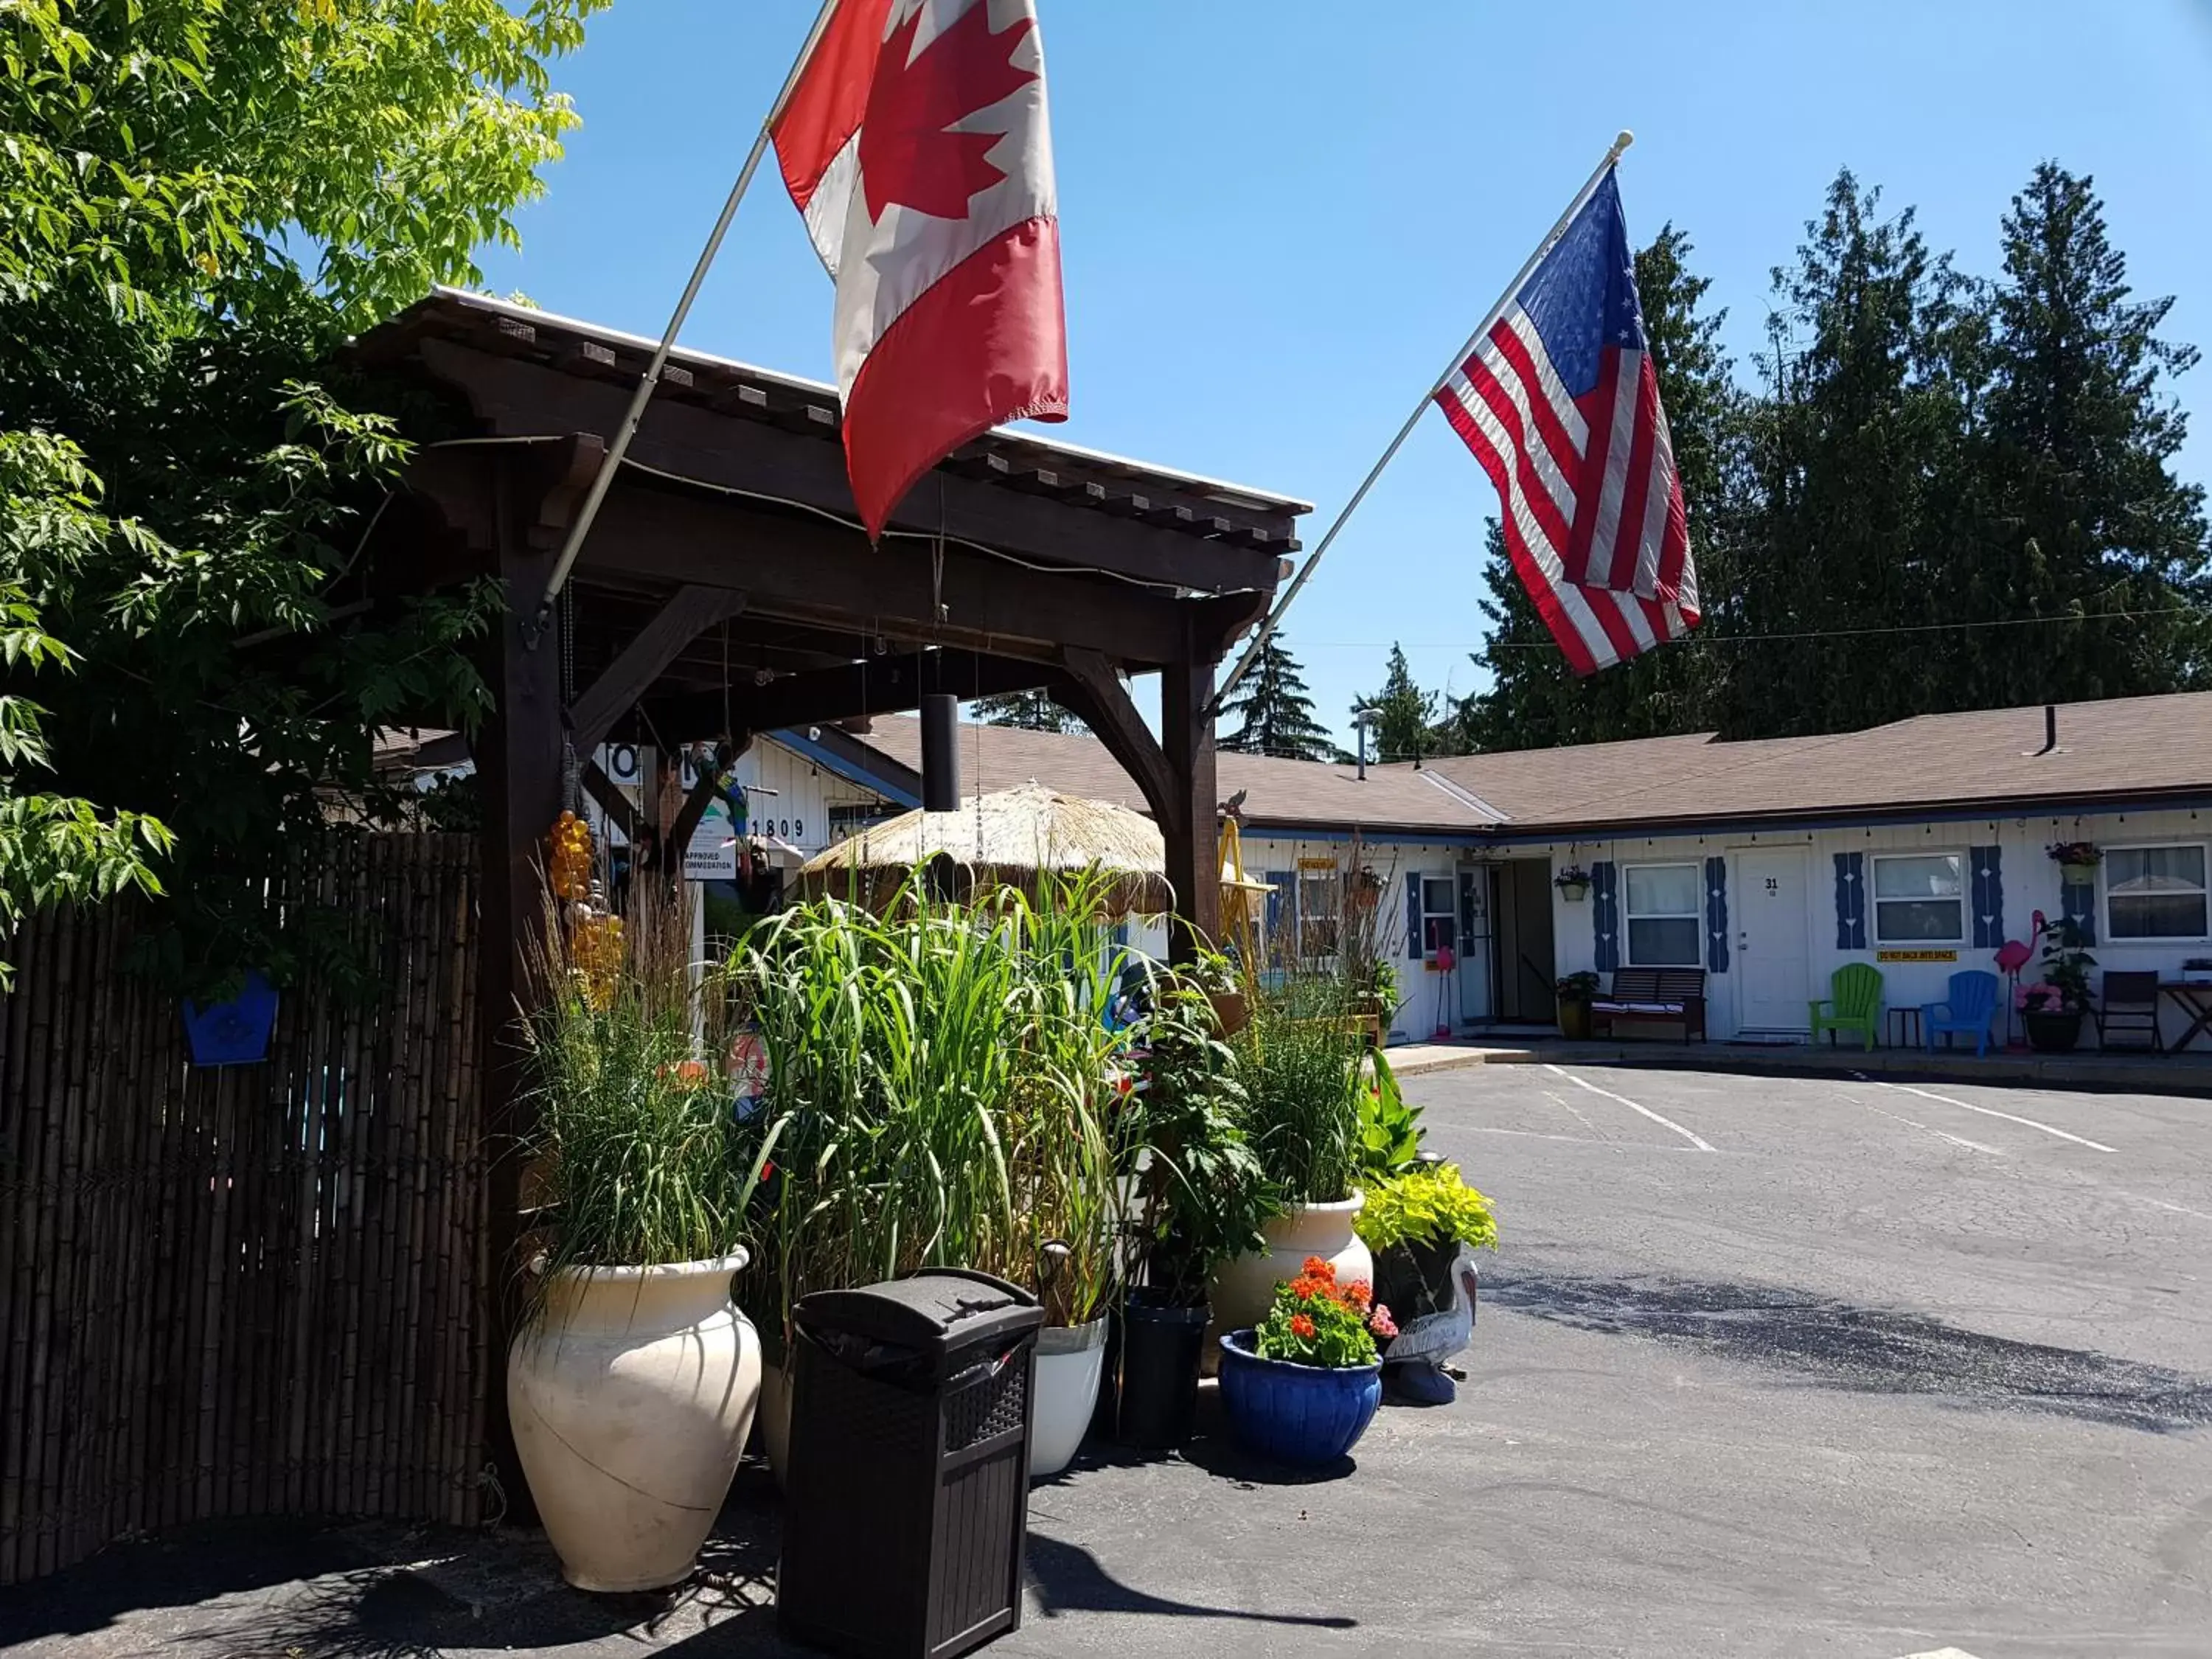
point(1318, 892)
point(1665, 912)
point(2155, 892)
point(1920, 898)
point(1439, 916)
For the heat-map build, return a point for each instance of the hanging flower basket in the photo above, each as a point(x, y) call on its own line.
point(2076, 860)
point(235, 1032)
point(1573, 883)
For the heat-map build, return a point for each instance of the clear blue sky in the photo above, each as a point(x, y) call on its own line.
point(1280, 217)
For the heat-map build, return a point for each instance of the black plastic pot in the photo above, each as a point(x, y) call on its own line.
point(2051, 1032)
point(1414, 1279)
point(1160, 1343)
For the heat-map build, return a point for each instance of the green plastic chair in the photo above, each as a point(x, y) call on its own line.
point(1855, 1004)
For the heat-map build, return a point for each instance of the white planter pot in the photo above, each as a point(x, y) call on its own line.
point(630, 1397)
point(1243, 1291)
point(1070, 1361)
point(775, 1421)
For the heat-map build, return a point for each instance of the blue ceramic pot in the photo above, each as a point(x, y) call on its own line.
point(1308, 1414)
point(233, 1033)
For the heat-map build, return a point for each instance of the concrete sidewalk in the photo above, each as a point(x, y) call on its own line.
point(2187, 1074)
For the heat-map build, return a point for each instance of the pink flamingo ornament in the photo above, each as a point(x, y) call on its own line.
point(2013, 956)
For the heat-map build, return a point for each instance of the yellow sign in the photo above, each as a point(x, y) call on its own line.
point(1915, 956)
point(1316, 864)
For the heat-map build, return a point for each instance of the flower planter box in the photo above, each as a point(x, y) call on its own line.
point(1308, 1415)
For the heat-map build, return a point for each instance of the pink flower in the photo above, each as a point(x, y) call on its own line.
point(1381, 1323)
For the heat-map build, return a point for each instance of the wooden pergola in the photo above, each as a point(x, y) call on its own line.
point(725, 589)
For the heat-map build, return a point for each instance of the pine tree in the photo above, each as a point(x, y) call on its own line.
point(2081, 436)
point(1534, 699)
point(1274, 714)
point(1405, 713)
point(1031, 711)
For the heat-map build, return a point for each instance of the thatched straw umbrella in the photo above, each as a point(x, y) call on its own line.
point(1008, 836)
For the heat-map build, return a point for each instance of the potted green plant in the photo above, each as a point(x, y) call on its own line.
point(1573, 883)
point(1416, 1222)
point(2076, 860)
point(1303, 1386)
point(633, 1381)
point(1301, 1062)
point(1202, 1199)
point(2050, 1012)
point(1216, 976)
point(1577, 991)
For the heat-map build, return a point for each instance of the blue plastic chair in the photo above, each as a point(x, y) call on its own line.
point(1970, 1009)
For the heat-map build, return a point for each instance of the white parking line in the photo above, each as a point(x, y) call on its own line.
point(1941, 1134)
point(2160, 1203)
point(1941, 1653)
point(1664, 1122)
point(1992, 1111)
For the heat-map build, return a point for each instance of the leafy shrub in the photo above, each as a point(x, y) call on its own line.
point(1428, 1204)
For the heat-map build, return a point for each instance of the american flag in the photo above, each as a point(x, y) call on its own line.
point(1560, 405)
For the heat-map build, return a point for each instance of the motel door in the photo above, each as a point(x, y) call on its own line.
point(1476, 945)
point(1772, 969)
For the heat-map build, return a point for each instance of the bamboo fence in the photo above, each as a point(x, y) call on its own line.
point(254, 1289)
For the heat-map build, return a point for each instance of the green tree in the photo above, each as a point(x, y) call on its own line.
point(1274, 713)
point(1031, 711)
point(2079, 437)
point(199, 200)
point(1534, 700)
point(1404, 714)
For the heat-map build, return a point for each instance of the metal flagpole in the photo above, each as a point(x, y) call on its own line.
point(635, 413)
point(1621, 142)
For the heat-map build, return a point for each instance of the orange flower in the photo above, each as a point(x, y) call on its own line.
point(1316, 1268)
point(1306, 1285)
point(1302, 1327)
point(1358, 1294)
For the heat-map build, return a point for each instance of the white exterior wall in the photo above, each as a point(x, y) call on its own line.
point(2030, 882)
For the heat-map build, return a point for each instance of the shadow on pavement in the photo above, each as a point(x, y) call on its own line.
point(1872, 1350)
point(1068, 1579)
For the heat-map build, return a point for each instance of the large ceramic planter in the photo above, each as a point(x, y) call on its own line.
point(2053, 1033)
point(631, 1395)
point(1243, 1291)
point(1574, 1020)
point(1163, 1344)
point(775, 1420)
point(1070, 1361)
point(1309, 1415)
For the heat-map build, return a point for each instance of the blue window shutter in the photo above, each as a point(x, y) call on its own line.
point(1850, 901)
point(2078, 899)
point(1413, 916)
point(1278, 905)
point(1605, 916)
point(1717, 943)
point(1987, 888)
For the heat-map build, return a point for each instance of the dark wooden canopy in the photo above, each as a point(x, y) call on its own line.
point(726, 588)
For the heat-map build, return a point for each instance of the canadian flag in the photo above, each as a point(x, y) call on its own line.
point(916, 144)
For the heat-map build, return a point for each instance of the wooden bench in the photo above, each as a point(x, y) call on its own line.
point(1663, 995)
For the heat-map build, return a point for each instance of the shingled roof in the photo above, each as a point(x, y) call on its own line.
point(2132, 752)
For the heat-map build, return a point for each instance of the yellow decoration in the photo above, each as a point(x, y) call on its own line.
point(568, 857)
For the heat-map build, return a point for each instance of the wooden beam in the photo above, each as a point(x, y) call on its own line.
point(874, 685)
point(515, 396)
point(518, 755)
point(820, 573)
point(1194, 840)
point(615, 804)
point(1093, 692)
point(691, 611)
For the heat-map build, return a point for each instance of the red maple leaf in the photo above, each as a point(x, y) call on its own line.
point(906, 155)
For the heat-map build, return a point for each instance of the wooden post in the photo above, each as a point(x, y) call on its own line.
point(1193, 834)
point(519, 768)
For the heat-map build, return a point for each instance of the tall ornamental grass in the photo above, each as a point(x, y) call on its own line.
point(938, 1092)
point(638, 1161)
point(1298, 1058)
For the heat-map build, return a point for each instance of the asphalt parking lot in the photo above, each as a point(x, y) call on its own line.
point(1766, 1366)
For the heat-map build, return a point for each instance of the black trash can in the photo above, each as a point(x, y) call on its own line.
point(908, 1477)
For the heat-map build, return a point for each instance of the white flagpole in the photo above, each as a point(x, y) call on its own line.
point(1621, 142)
point(628, 430)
